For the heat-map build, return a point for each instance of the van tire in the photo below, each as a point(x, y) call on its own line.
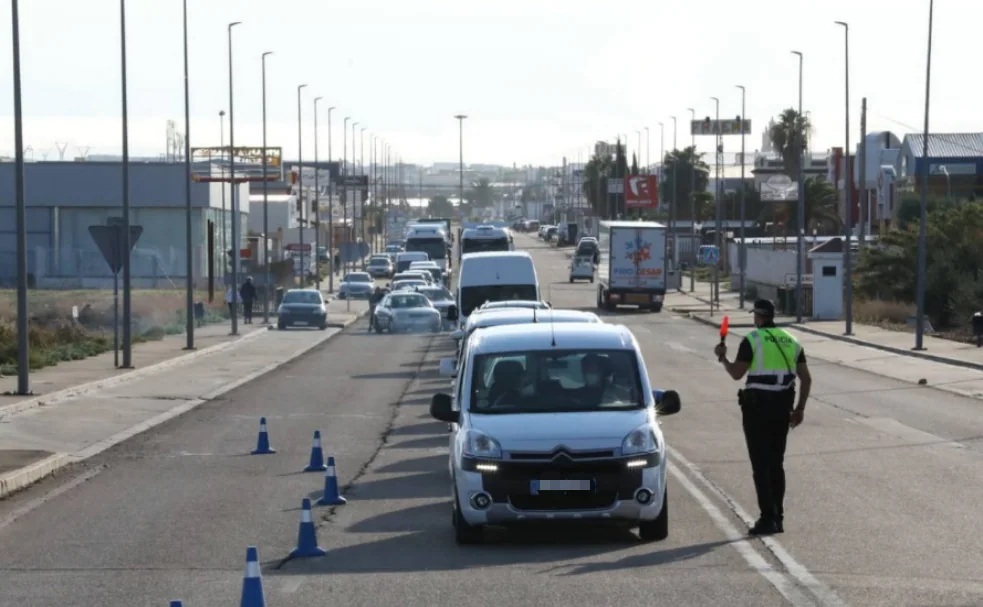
point(657, 530)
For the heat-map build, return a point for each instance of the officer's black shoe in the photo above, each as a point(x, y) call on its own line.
point(780, 525)
point(764, 527)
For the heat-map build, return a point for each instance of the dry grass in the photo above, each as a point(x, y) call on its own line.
point(877, 312)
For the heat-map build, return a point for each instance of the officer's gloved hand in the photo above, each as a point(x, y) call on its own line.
point(720, 351)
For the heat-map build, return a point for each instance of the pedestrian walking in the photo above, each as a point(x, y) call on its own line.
point(771, 358)
point(232, 299)
point(248, 294)
point(378, 294)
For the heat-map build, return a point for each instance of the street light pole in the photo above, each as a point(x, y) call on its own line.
point(355, 195)
point(362, 194)
point(672, 204)
point(923, 218)
point(125, 240)
point(221, 143)
point(741, 250)
point(23, 344)
point(235, 197)
point(460, 135)
point(344, 194)
point(718, 194)
point(648, 159)
point(847, 186)
point(331, 265)
point(801, 226)
point(268, 281)
point(300, 184)
point(694, 246)
point(317, 207)
point(189, 303)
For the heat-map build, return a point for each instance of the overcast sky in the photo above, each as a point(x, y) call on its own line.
point(539, 79)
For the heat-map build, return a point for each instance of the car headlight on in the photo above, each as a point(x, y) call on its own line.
point(479, 444)
point(641, 441)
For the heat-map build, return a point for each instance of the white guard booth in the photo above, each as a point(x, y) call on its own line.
point(827, 280)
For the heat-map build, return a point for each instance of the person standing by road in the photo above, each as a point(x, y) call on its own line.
point(378, 294)
point(771, 358)
point(232, 299)
point(248, 294)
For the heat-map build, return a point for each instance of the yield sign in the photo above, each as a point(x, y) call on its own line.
point(109, 239)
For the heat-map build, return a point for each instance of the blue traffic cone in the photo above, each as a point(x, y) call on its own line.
point(317, 456)
point(331, 496)
point(263, 442)
point(307, 535)
point(252, 581)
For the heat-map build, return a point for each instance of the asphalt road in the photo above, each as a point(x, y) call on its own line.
point(884, 488)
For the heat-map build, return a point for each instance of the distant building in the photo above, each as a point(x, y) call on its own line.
point(955, 164)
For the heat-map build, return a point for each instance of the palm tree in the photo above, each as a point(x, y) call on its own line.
point(783, 135)
point(482, 193)
point(821, 207)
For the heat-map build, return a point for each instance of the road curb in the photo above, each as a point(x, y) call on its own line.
point(30, 474)
point(18, 480)
point(108, 382)
point(891, 349)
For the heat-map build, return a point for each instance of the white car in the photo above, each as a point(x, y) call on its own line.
point(406, 311)
point(556, 423)
point(513, 303)
point(582, 268)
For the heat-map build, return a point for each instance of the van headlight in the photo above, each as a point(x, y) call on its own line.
point(480, 445)
point(641, 441)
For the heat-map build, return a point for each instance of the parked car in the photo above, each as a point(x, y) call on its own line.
point(302, 308)
point(356, 285)
point(440, 297)
point(406, 311)
point(556, 424)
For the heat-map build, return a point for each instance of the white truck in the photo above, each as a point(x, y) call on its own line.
point(432, 240)
point(632, 266)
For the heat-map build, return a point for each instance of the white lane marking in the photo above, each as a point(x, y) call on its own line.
point(291, 585)
point(824, 593)
point(780, 581)
point(40, 501)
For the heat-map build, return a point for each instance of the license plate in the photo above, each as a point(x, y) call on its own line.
point(537, 486)
point(636, 299)
point(301, 323)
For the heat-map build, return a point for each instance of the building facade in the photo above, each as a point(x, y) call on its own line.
point(64, 198)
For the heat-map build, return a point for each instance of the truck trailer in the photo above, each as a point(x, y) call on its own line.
point(632, 265)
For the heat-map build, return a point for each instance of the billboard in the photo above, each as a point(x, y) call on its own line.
point(641, 192)
point(729, 126)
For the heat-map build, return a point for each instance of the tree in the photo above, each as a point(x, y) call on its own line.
point(688, 161)
point(481, 194)
point(954, 264)
point(821, 207)
point(440, 206)
point(784, 135)
point(634, 165)
point(594, 184)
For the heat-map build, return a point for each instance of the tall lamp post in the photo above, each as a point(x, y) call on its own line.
point(741, 253)
point(662, 148)
point(235, 191)
point(23, 344)
point(331, 264)
point(189, 267)
point(460, 138)
point(355, 194)
point(718, 191)
point(300, 183)
point(125, 244)
point(221, 143)
point(672, 204)
point(847, 186)
point(317, 207)
point(648, 159)
point(267, 281)
point(362, 194)
point(923, 218)
point(344, 194)
point(800, 220)
point(694, 245)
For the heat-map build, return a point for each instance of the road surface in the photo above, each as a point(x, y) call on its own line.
point(883, 506)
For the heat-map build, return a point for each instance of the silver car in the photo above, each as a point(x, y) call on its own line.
point(406, 311)
point(440, 297)
point(356, 285)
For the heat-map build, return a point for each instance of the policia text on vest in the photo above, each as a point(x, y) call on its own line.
point(772, 359)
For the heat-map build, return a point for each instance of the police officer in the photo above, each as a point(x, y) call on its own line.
point(772, 359)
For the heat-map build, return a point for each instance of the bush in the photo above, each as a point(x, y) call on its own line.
point(876, 312)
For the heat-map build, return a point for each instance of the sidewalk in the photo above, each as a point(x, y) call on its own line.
point(106, 406)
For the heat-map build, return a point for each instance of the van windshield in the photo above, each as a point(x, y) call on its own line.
point(483, 245)
point(473, 297)
point(556, 381)
point(436, 247)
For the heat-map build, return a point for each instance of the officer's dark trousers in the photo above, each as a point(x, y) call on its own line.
point(766, 432)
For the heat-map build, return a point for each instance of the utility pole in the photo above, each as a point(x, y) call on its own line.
point(862, 180)
point(800, 220)
point(847, 186)
point(741, 250)
point(694, 244)
point(922, 228)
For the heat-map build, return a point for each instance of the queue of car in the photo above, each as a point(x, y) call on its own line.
point(551, 413)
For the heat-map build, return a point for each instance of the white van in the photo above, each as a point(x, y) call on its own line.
point(495, 276)
point(405, 258)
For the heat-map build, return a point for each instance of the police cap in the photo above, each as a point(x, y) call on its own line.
point(764, 307)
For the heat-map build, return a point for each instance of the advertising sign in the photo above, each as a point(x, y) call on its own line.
point(728, 126)
point(641, 192)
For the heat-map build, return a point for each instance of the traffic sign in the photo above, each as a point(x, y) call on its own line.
point(109, 239)
point(354, 182)
point(709, 254)
point(728, 126)
point(790, 279)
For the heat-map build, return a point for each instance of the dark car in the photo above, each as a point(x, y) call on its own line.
point(302, 308)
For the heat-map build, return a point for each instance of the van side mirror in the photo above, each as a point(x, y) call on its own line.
point(441, 408)
point(448, 367)
point(452, 313)
point(667, 402)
